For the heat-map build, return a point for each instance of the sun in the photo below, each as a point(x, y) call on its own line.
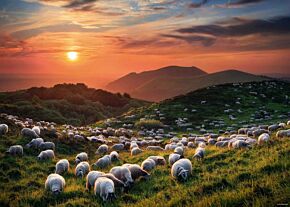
point(72, 56)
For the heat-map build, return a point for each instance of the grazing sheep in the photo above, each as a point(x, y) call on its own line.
point(173, 158)
point(211, 141)
point(283, 133)
point(82, 169)
point(181, 169)
point(103, 162)
point(47, 145)
point(15, 150)
point(36, 129)
point(263, 138)
point(34, 143)
point(104, 187)
point(118, 147)
point(179, 150)
point(3, 129)
point(159, 160)
point(148, 165)
point(273, 127)
point(117, 182)
point(190, 145)
point(221, 143)
point(135, 151)
point(91, 178)
point(133, 145)
point(137, 171)
point(123, 174)
point(62, 166)
point(29, 133)
point(55, 183)
point(45, 155)
point(154, 148)
point(81, 157)
point(199, 153)
point(103, 149)
point(240, 144)
point(114, 156)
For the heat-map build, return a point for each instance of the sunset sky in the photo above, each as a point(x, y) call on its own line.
point(111, 38)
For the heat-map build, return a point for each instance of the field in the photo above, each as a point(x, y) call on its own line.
point(254, 177)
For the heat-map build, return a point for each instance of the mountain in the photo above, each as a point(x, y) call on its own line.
point(154, 86)
point(129, 83)
point(66, 103)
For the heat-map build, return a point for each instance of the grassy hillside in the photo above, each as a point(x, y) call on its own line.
point(259, 102)
point(255, 177)
point(66, 103)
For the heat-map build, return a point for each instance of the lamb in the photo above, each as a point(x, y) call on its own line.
point(263, 138)
point(179, 150)
point(103, 149)
point(123, 174)
point(45, 155)
point(3, 129)
point(135, 151)
point(34, 143)
point(61, 166)
point(181, 169)
point(36, 129)
point(159, 160)
point(154, 148)
point(29, 133)
point(137, 171)
point(81, 157)
point(15, 150)
point(55, 183)
point(148, 165)
point(82, 169)
point(118, 147)
point(114, 156)
point(105, 188)
point(103, 162)
point(173, 158)
point(47, 145)
point(199, 153)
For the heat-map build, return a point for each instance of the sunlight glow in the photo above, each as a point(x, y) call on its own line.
point(72, 56)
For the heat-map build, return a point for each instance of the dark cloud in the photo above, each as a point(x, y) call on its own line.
point(243, 2)
point(274, 26)
point(197, 5)
point(10, 47)
point(79, 3)
point(206, 41)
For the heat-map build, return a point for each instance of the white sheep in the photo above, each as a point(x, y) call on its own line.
point(154, 148)
point(34, 143)
point(181, 169)
point(118, 147)
point(173, 158)
point(199, 153)
point(36, 129)
point(3, 129)
point(240, 144)
point(148, 165)
point(137, 171)
point(283, 133)
point(46, 145)
point(263, 138)
point(15, 150)
point(135, 151)
point(29, 133)
point(62, 166)
point(103, 162)
point(91, 178)
point(159, 160)
point(83, 156)
point(114, 156)
point(45, 155)
point(123, 174)
point(105, 188)
point(55, 183)
point(103, 149)
point(179, 150)
point(82, 169)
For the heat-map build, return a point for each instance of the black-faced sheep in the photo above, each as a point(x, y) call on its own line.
point(55, 183)
point(104, 187)
point(181, 169)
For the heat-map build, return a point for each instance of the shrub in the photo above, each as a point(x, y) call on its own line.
point(149, 123)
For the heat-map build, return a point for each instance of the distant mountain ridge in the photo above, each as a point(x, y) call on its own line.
point(167, 82)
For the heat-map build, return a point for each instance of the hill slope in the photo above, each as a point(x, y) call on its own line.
point(66, 103)
point(160, 87)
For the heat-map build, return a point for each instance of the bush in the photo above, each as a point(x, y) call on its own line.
point(149, 124)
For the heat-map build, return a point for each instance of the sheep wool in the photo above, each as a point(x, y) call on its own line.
point(173, 158)
point(62, 166)
point(181, 169)
point(55, 183)
point(15, 150)
point(137, 171)
point(263, 138)
point(3, 129)
point(45, 155)
point(81, 157)
point(123, 174)
point(104, 187)
point(82, 169)
point(148, 165)
point(35, 143)
point(103, 162)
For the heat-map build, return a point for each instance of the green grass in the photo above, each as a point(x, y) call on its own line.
point(255, 177)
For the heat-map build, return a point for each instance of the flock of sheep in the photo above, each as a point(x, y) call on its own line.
point(117, 140)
